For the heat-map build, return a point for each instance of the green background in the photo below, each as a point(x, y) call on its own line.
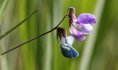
point(97, 52)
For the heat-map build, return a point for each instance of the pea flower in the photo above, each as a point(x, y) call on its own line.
point(81, 26)
point(66, 44)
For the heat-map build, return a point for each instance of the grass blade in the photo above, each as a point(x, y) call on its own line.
point(20, 23)
point(2, 10)
point(87, 53)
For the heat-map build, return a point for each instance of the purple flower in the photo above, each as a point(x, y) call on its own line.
point(82, 25)
point(86, 18)
point(66, 44)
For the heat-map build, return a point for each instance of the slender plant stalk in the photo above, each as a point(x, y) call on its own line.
point(20, 23)
point(37, 36)
point(2, 10)
point(89, 46)
point(3, 60)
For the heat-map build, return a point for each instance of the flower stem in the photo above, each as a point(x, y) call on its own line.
point(37, 36)
point(5, 34)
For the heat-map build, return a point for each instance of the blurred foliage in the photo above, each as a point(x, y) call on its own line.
point(98, 52)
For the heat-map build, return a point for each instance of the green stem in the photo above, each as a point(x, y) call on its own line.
point(37, 36)
point(20, 23)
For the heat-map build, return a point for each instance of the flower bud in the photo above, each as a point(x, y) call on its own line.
point(66, 44)
point(71, 10)
point(61, 32)
point(72, 17)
